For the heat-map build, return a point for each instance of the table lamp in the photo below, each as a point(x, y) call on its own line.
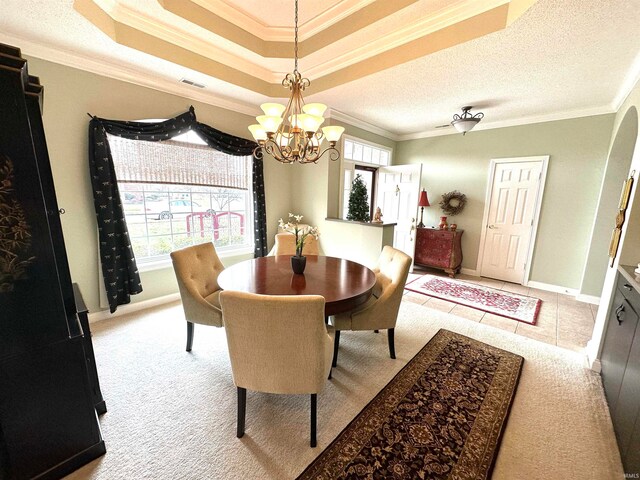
point(423, 202)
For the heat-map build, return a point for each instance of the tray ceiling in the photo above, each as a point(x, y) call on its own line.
point(341, 42)
point(401, 67)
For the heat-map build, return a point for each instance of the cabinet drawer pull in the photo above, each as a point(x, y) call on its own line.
point(627, 287)
point(620, 314)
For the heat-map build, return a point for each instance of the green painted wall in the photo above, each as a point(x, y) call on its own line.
point(578, 151)
point(71, 93)
point(315, 190)
point(617, 171)
point(577, 148)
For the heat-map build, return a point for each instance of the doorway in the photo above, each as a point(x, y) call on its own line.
point(510, 221)
point(397, 195)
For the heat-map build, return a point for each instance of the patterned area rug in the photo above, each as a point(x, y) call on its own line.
point(441, 417)
point(506, 304)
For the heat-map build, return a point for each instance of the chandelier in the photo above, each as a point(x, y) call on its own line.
point(292, 133)
point(466, 121)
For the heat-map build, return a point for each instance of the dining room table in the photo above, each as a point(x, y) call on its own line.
point(344, 284)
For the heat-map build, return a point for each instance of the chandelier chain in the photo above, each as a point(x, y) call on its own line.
point(295, 41)
point(291, 133)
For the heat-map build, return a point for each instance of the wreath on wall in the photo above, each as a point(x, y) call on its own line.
point(453, 203)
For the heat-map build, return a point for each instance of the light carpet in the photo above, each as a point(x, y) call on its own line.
point(172, 414)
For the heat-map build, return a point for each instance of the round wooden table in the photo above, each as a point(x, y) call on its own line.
point(343, 284)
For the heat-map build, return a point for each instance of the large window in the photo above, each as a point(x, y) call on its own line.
point(361, 158)
point(181, 193)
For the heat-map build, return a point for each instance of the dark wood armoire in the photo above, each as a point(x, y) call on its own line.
point(48, 421)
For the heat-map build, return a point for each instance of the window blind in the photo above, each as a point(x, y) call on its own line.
point(179, 163)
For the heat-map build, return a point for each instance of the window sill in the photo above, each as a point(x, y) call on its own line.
point(165, 261)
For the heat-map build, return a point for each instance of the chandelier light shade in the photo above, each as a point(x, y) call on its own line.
point(423, 201)
point(293, 132)
point(466, 121)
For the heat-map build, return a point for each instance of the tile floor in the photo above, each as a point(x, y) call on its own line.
point(562, 321)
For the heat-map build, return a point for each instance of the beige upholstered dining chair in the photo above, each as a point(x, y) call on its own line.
point(197, 269)
point(286, 245)
point(381, 310)
point(277, 344)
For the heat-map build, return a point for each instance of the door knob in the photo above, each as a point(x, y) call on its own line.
point(492, 226)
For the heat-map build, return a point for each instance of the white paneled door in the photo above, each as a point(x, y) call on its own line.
point(512, 215)
point(398, 188)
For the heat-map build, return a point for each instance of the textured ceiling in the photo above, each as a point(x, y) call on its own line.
point(561, 58)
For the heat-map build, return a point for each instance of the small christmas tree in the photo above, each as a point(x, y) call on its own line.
point(358, 205)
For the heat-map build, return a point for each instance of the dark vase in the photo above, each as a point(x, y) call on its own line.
point(298, 264)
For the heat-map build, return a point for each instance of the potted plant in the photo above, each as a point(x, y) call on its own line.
point(298, 261)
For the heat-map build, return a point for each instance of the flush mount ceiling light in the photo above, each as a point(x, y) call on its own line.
point(292, 133)
point(466, 121)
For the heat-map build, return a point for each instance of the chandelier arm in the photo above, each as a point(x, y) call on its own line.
point(258, 152)
point(273, 149)
point(309, 153)
point(333, 152)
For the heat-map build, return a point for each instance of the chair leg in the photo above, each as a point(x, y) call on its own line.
point(242, 410)
point(314, 408)
point(392, 347)
point(189, 336)
point(336, 343)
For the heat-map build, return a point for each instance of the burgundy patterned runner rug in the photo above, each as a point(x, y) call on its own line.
point(506, 304)
point(441, 417)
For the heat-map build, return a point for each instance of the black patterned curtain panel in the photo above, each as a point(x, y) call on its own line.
point(119, 270)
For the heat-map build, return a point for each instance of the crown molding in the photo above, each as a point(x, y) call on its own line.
point(409, 32)
point(280, 33)
point(631, 79)
point(118, 72)
point(185, 39)
point(356, 122)
point(552, 117)
point(329, 17)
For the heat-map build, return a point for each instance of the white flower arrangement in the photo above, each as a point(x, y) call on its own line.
point(301, 233)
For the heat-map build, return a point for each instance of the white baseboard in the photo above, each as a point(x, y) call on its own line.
point(468, 271)
point(552, 288)
point(133, 307)
point(592, 299)
point(595, 365)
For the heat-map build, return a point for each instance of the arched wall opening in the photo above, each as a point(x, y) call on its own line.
point(617, 171)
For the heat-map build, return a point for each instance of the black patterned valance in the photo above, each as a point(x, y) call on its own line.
point(121, 276)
